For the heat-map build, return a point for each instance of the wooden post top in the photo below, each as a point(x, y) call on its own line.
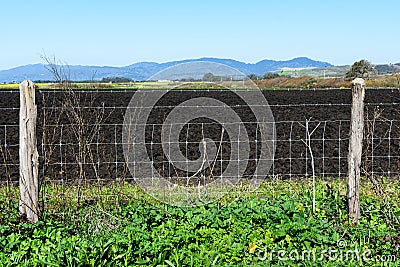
point(358, 81)
point(28, 84)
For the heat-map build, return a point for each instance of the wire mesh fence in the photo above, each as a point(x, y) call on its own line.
point(9, 141)
point(80, 135)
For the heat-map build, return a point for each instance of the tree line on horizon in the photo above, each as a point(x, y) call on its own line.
point(360, 69)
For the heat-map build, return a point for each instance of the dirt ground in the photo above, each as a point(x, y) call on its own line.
point(101, 153)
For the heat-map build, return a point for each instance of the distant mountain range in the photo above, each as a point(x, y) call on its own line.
point(143, 70)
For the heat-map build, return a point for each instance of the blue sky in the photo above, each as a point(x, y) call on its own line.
point(119, 33)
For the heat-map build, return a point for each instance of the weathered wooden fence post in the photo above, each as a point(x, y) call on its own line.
point(355, 150)
point(28, 155)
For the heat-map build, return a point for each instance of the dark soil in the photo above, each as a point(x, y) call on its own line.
point(328, 109)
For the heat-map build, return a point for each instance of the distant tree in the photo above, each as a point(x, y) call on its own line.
point(270, 75)
point(43, 81)
point(208, 77)
point(116, 80)
point(361, 69)
point(190, 79)
point(253, 77)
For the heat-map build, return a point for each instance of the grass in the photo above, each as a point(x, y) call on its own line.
point(15, 86)
point(387, 81)
point(119, 225)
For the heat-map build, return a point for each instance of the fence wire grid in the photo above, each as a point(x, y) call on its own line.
point(79, 136)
